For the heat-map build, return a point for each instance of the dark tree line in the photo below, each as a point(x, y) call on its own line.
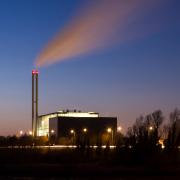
point(150, 133)
point(145, 133)
point(22, 141)
point(172, 131)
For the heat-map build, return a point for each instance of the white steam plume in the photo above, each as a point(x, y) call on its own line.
point(96, 27)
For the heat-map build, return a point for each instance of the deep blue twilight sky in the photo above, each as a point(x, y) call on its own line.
point(126, 80)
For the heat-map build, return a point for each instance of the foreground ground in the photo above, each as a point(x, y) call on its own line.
point(22, 163)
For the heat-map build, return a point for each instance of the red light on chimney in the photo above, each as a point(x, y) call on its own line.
point(35, 72)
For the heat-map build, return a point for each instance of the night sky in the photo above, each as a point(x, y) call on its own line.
point(135, 76)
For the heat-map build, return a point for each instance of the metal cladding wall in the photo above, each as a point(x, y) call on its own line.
point(95, 126)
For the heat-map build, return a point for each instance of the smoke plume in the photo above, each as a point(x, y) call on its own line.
point(97, 26)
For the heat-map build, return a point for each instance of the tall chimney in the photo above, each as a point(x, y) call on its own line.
point(34, 102)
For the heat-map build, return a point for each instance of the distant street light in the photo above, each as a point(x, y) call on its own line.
point(21, 132)
point(85, 130)
point(73, 133)
point(30, 133)
point(52, 137)
point(119, 129)
point(150, 128)
point(52, 131)
point(109, 130)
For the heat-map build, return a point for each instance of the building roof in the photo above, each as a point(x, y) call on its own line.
point(74, 113)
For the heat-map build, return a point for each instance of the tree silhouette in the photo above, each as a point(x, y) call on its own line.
point(173, 140)
point(144, 135)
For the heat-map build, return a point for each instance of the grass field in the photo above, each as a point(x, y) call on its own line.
point(86, 163)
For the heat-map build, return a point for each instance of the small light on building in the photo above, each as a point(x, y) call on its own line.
point(109, 130)
point(85, 130)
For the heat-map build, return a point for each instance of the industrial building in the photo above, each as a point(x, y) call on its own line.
point(73, 126)
point(69, 127)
